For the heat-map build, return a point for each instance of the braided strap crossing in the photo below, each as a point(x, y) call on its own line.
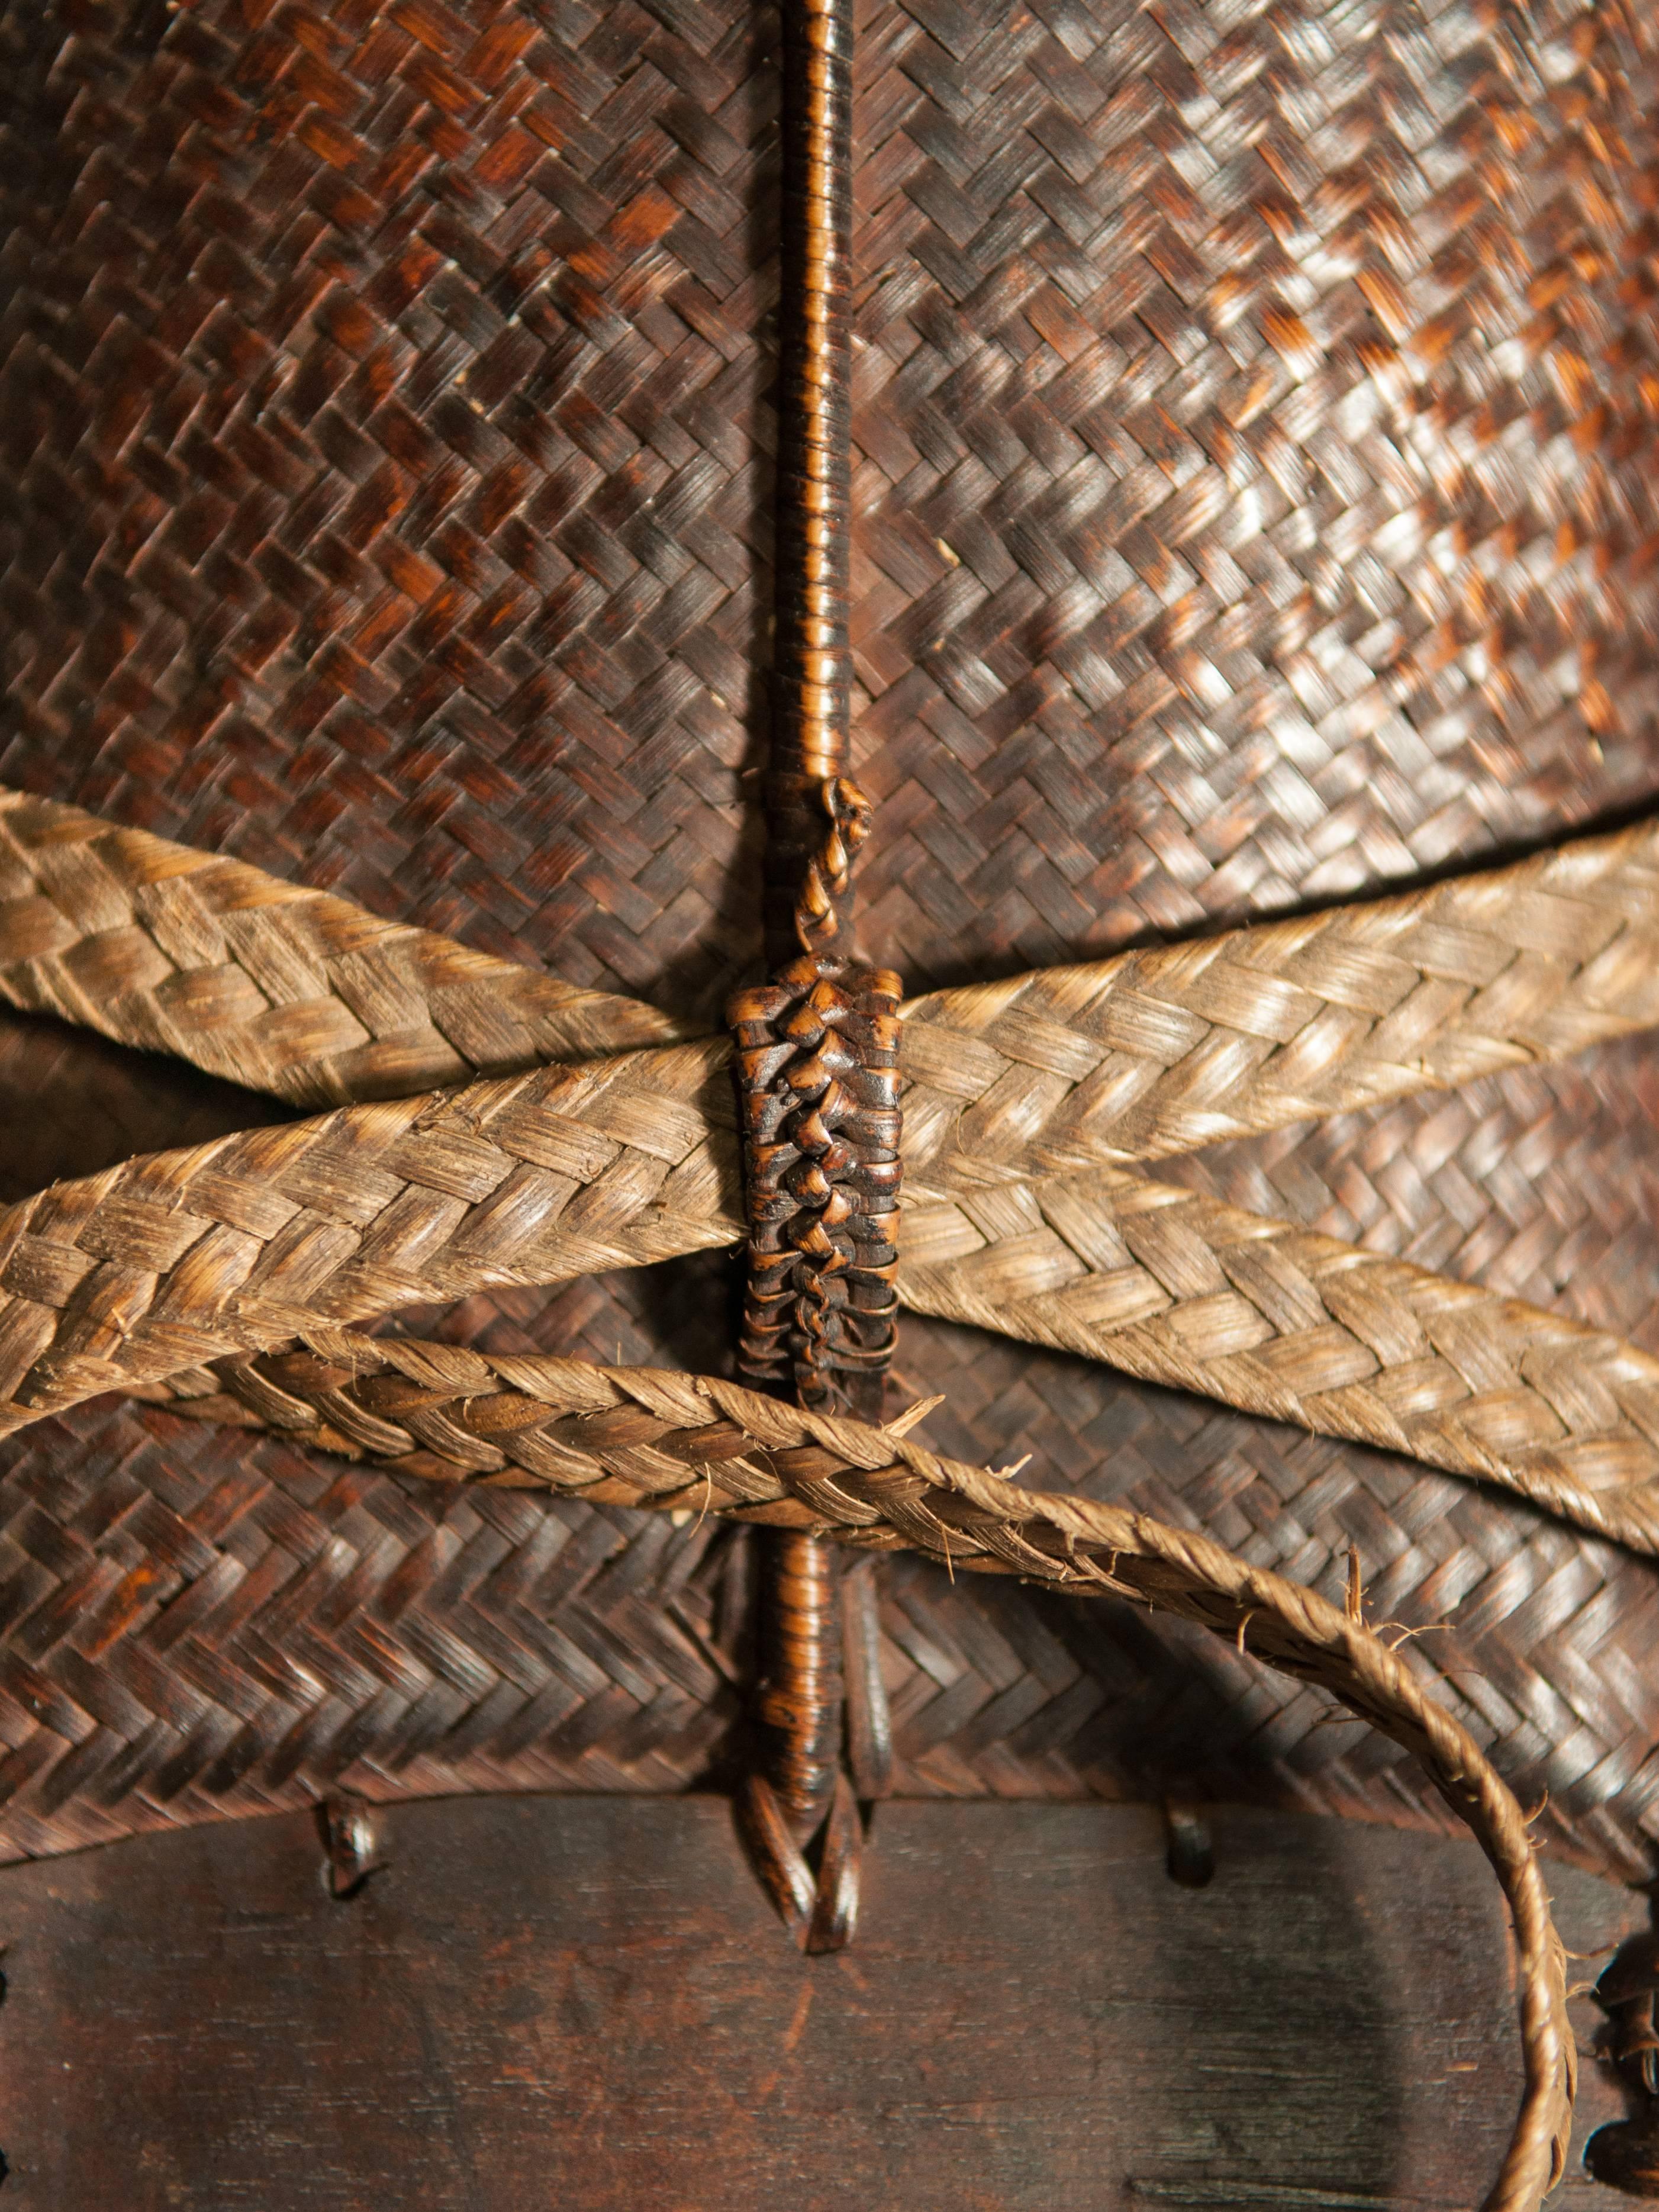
point(167, 1263)
point(1133, 1058)
point(816, 1062)
point(640, 1437)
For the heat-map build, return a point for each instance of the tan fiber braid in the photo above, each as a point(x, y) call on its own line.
point(1133, 1058)
point(164, 1262)
point(1161, 1051)
point(286, 990)
point(640, 1437)
point(1178, 1288)
point(172, 1261)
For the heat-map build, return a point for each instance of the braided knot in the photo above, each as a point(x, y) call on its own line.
point(829, 871)
point(817, 1077)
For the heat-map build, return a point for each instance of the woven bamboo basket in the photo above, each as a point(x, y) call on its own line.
point(1251, 513)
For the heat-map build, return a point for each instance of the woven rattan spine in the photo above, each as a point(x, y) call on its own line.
point(815, 817)
point(817, 1045)
point(817, 1059)
point(815, 1065)
point(800, 1792)
point(639, 1437)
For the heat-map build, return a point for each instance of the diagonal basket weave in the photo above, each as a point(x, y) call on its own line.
point(1250, 512)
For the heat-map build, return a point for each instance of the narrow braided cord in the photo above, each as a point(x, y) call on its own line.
point(642, 1437)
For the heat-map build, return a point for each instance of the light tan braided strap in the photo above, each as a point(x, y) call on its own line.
point(640, 1437)
point(282, 989)
point(1160, 1051)
point(1126, 1059)
point(164, 1263)
point(1178, 1288)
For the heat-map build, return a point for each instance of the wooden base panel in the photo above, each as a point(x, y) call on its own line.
point(541, 2001)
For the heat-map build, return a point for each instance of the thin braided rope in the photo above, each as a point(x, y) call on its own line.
point(640, 1437)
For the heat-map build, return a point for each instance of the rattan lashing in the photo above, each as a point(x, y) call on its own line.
point(814, 1047)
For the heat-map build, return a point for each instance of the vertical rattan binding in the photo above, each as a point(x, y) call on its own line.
point(816, 1045)
point(816, 1064)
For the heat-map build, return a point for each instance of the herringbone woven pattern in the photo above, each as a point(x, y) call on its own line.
point(1541, 1633)
point(1235, 439)
point(263, 592)
point(399, 370)
point(247, 1624)
point(1225, 508)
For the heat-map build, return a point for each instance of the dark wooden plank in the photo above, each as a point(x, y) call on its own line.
point(568, 2002)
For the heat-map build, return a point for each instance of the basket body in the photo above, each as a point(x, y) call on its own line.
point(1254, 505)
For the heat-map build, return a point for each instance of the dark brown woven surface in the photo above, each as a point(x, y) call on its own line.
point(1255, 464)
point(1255, 478)
point(1542, 1183)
